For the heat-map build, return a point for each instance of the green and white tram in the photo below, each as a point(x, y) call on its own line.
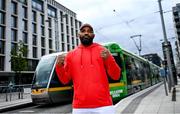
point(137, 74)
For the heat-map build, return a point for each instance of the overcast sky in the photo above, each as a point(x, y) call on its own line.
point(117, 20)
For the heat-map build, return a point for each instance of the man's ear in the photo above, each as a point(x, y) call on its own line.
point(93, 35)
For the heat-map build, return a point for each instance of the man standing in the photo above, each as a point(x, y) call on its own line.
point(87, 66)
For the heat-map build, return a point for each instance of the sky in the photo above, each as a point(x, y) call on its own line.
point(118, 20)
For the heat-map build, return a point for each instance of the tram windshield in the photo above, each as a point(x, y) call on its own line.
point(43, 72)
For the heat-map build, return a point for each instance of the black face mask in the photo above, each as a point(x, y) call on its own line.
point(86, 41)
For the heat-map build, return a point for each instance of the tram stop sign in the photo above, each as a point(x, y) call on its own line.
point(162, 72)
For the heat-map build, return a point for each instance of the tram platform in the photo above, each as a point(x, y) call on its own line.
point(152, 100)
point(11, 101)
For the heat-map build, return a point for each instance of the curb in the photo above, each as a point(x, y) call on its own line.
point(15, 106)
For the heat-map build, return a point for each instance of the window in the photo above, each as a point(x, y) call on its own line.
point(50, 44)
point(43, 52)
point(51, 11)
point(24, 12)
point(13, 35)
point(68, 47)
point(42, 19)
point(72, 31)
point(51, 51)
point(23, 1)
point(33, 16)
point(67, 21)
point(49, 22)
point(37, 4)
point(73, 47)
point(77, 42)
point(42, 31)
point(62, 37)
point(2, 18)
point(2, 4)
point(73, 40)
point(71, 21)
point(1, 62)
point(34, 64)
point(42, 42)
point(13, 46)
point(34, 52)
point(34, 40)
point(24, 24)
point(2, 46)
point(50, 33)
point(25, 53)
point(2, 32)
point(76, 24)
point(67, 29)
point(34, 28)
point(63, 47)
point(13, 22)
point(13, 8)
point(68, 39)
point(76, 33)
point(62, 28)
point(25, 37)
point(61, 14)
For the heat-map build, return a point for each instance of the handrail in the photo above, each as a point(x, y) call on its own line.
point(9, 90)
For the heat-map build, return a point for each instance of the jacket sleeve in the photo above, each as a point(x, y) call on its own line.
point(63, 72)
point(113, 70)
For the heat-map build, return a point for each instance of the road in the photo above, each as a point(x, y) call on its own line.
point(63, 108)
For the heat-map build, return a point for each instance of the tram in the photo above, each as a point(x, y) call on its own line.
point(137, 74)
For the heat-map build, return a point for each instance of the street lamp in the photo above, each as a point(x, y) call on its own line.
point(138, 47)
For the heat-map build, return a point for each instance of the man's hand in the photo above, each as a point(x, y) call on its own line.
point(60, 60)
point(105, 53)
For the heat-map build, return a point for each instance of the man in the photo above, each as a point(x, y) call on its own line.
point(86, 66)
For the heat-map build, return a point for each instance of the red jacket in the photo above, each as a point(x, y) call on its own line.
point(88, 72)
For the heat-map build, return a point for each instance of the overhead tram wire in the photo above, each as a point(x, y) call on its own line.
point(102, 35)
point(127, 23)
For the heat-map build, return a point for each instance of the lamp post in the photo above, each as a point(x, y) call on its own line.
point(138, 47)
point(166, 47)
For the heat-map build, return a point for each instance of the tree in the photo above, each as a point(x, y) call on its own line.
point(18, 61)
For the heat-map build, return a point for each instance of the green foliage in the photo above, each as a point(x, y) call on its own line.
point(18, 61)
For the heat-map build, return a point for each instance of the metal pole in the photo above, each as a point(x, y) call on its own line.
point(138, 47)
point(165, 87)
point(166, 44)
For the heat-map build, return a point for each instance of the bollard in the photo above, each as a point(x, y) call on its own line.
point(22, 91)
point(10, 94)
point(6, 96)
point(174, 94)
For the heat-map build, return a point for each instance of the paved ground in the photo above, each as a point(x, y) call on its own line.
point(150, 101)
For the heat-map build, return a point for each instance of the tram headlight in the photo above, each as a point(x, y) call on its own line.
point(38, 91)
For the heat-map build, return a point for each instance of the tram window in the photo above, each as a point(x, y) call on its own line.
point(119, 62)
point(43, 71)
point(129, 69)
point(55, 82)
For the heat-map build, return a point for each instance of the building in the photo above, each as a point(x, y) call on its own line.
point(45, 26)
point(154, 58)
point(176, 18)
